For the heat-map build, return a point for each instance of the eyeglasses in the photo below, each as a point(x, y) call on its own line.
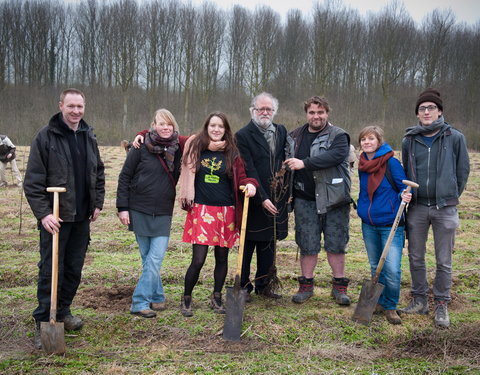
point(261, 110)
point(430, 108)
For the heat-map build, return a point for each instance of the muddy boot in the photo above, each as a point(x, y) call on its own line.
point(305, 290)
point(37, 339)
point(216, 303)
point(71, 323)
point(392, 316)
point(339, 290)
point(441, 319)
point(186, 306)
point(418, 305)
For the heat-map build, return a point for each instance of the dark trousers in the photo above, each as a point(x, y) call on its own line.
point(72, 247)
point(264, 262)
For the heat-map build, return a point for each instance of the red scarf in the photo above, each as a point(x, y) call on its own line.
point(376, 170)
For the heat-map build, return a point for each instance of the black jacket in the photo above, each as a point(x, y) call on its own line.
point(263, 166)
point(50, 165)
point(144, 185)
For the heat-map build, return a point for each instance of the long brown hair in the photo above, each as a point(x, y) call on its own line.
point(202, 140)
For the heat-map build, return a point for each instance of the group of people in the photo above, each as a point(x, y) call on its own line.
point(306, 170)
point(7, 155)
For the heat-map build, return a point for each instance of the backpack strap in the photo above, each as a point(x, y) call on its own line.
point(388, 174)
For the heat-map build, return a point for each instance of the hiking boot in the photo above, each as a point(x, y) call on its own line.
point(186, 306)
point(267, 294)
point(441, 319)
point(37, 339)
point(147, 313)
point(339, 290)
point(305, 290)
point(216, 303)
point(418, 305)
point(157, 306)
point(392, 317)
point(378, 309)
point(71, 323)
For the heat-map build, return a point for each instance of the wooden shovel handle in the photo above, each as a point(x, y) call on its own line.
point(243, 230)
point(56, 214)
point(383, 257)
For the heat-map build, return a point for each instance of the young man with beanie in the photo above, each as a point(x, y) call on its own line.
point(435, 156)
point(321, 197)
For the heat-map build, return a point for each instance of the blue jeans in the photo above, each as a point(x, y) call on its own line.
point(375, 239)
point(149, 288)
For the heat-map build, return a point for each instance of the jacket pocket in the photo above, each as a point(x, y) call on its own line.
point(336, 193)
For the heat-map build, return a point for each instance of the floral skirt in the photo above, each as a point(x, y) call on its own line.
point(211, 225)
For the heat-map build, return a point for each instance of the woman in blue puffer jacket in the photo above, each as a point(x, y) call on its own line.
point(378, 202)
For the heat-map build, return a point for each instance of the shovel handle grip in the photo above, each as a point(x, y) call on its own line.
point(243, 230)
point(56, 214)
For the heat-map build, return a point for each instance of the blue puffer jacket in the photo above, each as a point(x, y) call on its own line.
point(383, 209)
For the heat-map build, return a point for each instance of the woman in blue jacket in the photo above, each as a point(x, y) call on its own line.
point(381, 192)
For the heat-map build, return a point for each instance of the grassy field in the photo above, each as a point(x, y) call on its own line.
point(278, 337)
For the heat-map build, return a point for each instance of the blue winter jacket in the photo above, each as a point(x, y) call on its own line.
point(383, 209)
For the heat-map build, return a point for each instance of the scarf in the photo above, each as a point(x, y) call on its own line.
point(427, 129)
point(269, 134)
point(165, 147)
point(187, 175)
point(376, 170)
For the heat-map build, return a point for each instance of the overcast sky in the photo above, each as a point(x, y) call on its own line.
point(465, 10)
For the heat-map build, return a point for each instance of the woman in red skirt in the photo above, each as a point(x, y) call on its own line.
point(212, 172)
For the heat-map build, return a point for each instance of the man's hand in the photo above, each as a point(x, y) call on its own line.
point(50, 224)
point(294, 164)
point(95, 214)
point(269, 206)
point(406, 197)
point(124, 217)
point(137, 141)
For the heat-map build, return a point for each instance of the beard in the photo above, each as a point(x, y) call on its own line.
point(262, 121)
point(317, 125)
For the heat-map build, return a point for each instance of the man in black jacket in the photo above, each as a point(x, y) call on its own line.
point(262, 146)
point(64, 154)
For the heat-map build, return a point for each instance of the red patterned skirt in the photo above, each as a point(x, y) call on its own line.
point(211, 225)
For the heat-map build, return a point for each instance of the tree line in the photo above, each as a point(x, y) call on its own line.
point(133, 57)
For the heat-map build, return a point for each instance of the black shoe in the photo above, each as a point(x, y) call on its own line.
point(248, 297)
point(37, 340)
point(147, 313)
point(71, 323)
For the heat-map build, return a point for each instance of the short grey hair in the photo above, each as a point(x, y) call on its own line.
point(266, 95)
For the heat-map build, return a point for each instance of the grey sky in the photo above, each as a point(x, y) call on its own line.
point(465, 10)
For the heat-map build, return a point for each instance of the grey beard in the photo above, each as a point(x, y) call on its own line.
point(260, 125)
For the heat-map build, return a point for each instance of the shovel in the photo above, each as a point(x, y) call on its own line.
point(52, 332)
point(372, 289)
point(235, 302)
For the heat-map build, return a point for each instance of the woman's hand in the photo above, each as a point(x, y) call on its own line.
point(406, 197)
point(186, 204)
point(137, 141)
point(250, 190)
point(124, 217)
